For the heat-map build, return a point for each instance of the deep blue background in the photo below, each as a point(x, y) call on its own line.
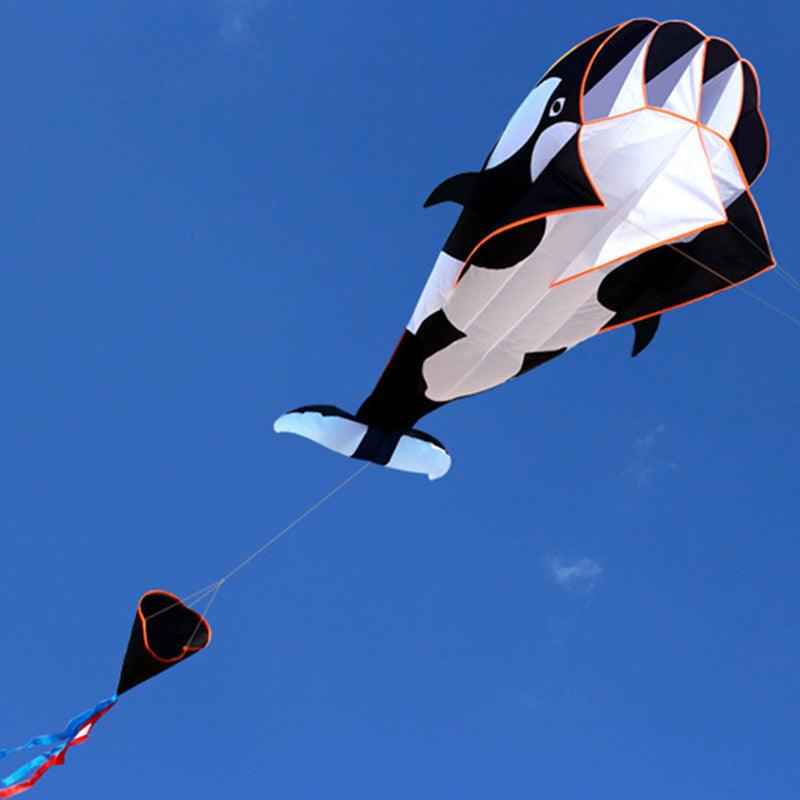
point(212, 213)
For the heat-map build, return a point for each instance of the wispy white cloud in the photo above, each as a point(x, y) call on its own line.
point(236, 17)
point(645, 461)
point(582, 574)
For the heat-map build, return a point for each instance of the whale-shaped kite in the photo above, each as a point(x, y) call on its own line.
point(618, 190)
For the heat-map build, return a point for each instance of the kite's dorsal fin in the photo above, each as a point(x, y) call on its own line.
point(645, 329)
point(460, 189)
point(486, 188)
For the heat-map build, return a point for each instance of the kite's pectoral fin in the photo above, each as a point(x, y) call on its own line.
point(408, 450)
point(644, 329)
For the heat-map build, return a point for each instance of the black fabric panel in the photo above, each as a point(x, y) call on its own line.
point(744, 214)
point(500, 189)
point(398, 400)
point(496, 194)
point(738, 249)
point(671, 41)
point(325, 411)
point(435, 333)
point(750, 96)
point(461, 189)
point(377, 445)
point(170, 626)
point(509, 247)
point(616, 48)
point(647, 283)
point(533, 360)
point(672, 275)
point(570, 68)
point(504, 195)
point(425, 437)
point(719, 56)
point(562, 184)
point(749, 138)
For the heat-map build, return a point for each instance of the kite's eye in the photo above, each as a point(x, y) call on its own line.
point(557, 107)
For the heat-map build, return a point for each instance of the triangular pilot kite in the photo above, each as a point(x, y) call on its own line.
point(165, 632)
point(619, 190)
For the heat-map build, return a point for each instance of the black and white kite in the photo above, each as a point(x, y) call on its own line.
point(618, 190)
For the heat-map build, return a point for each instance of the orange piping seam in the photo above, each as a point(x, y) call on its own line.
point(657, 243)
point(184, 647)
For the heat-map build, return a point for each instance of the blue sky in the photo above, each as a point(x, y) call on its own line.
point(212, 213)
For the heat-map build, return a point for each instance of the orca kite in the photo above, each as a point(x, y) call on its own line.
point(618, 190)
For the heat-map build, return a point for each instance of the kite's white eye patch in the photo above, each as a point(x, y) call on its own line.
point(557, 107)
point(524, 123)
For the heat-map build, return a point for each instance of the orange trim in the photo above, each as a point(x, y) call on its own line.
point(763, 228)
point(711, 172)
point(591, 61)
point(394, 352)
point(758, 111)
point(658, 243)
point(644, 61)
point(688, 302)
point(673, 114)
point(602, 204)
point(732, 151)
point(694, 121)
point(185, 649)
point(761, 220)
point(617, 116)
point(526, 220)
point(581, 44)
point(741, 101)
point(517, 224)
point(706, 39)
point(727, 141)
point(660, 111)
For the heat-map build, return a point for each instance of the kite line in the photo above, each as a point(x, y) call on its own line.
point(784, 274)
point(213, 588)
point(165, 631)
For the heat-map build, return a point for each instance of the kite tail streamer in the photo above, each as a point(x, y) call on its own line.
point(76, 732)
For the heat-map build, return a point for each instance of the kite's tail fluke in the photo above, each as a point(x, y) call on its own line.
point(406, 450)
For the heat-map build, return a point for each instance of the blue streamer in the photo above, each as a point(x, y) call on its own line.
point(61, 739)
